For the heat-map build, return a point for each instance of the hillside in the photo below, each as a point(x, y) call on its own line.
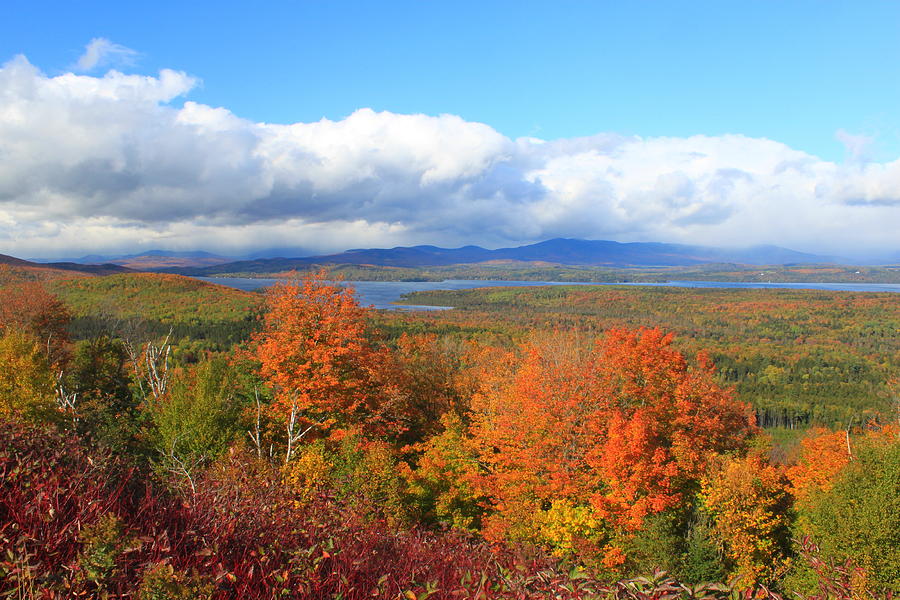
point(11, 274)
point(15, 270)
point(161, 297)
point(153, 262)
point(82, 269)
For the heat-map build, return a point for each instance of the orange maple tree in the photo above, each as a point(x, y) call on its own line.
point(823, 454)
point(660, 421)
point(30, 308)
point(626, 426)
point(528, 431)
point(313, 351)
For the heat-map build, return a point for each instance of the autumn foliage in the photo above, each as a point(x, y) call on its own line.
point(666, 421)
point(30, 308)
point(327, 457)
point(824, 453)
point(623, 428)
point(26, 379)
point(314, 353)
point(749, 500)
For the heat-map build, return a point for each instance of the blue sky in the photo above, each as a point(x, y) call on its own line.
point(816, 83)
point(795, 72)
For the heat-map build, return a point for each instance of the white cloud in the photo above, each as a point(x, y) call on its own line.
point(107, 162)
point(857, 146)
point(101, 52)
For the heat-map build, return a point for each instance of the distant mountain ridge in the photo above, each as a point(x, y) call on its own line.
point(562, 251)
point(89, 269)
point(153, 260)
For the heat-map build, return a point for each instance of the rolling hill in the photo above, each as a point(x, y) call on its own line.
point(16, 270)
point(162, 297)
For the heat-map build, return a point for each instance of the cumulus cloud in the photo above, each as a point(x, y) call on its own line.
point(101, 52)
point(107, 162)
point(857, 146)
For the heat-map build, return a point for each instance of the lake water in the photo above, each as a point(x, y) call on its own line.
point(382, 294)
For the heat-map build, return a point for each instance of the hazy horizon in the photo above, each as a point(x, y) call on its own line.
point(265, 253)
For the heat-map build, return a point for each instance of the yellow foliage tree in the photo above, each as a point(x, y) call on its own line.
point(749, 502)
point(441, 483)
point(26, 383)
point(566, 527)
point(309, 473)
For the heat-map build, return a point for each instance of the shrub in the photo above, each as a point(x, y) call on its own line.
point(859, 517)
point(26, 382)
point(103, 543)
point(162, 582)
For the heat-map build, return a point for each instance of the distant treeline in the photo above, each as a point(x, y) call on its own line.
point(519, 271)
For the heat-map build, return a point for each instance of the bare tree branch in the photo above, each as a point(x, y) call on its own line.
point(847, 435)
point(179, 467)
point(65, 400)
point(294, 435)
point(255, 435)
point(157, 360)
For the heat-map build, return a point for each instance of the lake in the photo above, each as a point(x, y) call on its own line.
point(382, 294)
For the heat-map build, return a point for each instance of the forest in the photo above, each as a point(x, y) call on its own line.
point(162, 437)
point(799, 357)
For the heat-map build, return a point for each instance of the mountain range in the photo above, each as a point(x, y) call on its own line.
point(560, 251)
point(150, 260)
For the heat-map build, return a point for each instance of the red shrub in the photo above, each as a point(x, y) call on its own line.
point(75, 523)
